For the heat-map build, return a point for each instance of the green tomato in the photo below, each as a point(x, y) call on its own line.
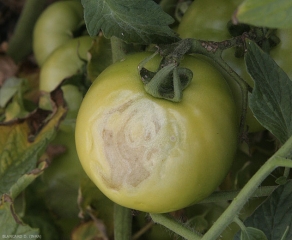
point(151, 154)
point(207, 19)
point(73, 98)
point(195, 24)
point(55, 27)
point(64, 62)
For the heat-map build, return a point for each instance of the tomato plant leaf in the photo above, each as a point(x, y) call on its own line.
point(7, 208)
point(8, 89)
point(10, 223)
point(270, 100)
point(252, 234)
point(20, 149)
point(134, 21)
point(15, 109)
point(273, 217)
point(62, 177)
point(25, 180)
point(101, 49)
point(256, 12)
point(37, 213)
point(11, 98)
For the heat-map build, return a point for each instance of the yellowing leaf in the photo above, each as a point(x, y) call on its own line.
point(22, 142)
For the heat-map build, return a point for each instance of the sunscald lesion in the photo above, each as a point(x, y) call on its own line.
point(125, 161)
point(131, 136)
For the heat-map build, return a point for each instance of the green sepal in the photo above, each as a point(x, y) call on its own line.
point(169, 81)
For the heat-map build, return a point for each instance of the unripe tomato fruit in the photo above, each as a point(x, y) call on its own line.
point(55, 27)
point(64, 62)
point(152, 154)
point(195, 24)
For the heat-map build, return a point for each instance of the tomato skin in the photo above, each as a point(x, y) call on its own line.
point(55, 27)
point(195, 24)
point(151, 154)
point(207, 19)
point(64, 62)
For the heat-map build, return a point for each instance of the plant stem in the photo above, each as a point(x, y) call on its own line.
point(279, 159)
point(175, 226)
point(239, 223)
point(230, 195)
point(122, 223)
point(183, 231)
point(20, 44)
point(138, 234)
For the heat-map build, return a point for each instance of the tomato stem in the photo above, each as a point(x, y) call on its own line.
point(230, 195)
point(175, 226)
point(240, 223)
point(282, 158)
point(122, 223)
point(143, 230)
point(20, 44)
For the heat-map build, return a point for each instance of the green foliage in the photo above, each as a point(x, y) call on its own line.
point(134, 21)
point(92, 200)
point(101, 49)
point(21, 144)
point(273, 217)
point(18, 154)
point(270, 100)
point(8, 89)
point(266, 13)
point(11, 99)
point(252, 234)
point(10, 223)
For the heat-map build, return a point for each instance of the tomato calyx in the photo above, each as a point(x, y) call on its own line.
point(169, 81)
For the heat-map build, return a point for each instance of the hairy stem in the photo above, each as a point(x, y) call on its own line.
point(230, 195)
point(175, 226)
point(143, 230)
